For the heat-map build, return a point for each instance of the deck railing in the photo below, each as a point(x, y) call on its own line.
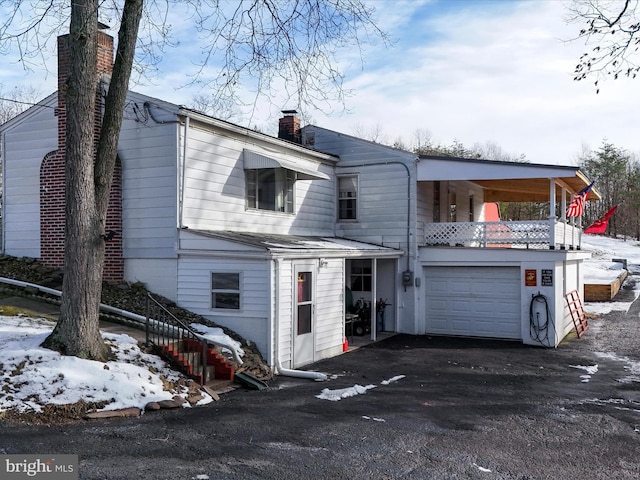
point(520, 234)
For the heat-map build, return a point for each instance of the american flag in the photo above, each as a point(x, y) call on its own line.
point(576, 207)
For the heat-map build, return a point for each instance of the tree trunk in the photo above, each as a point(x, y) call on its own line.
point(77, 331)
point(88, 176)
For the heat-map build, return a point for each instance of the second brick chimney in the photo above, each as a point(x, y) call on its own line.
point(289, 126)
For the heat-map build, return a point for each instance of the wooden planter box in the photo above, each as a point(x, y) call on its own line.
point(603, 292)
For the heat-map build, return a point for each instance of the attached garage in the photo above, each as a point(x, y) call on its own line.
point(473, 301)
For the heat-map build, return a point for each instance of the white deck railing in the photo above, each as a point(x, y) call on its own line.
point(522, 234)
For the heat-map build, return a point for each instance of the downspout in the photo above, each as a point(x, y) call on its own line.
point(181, 173)
point(280, 370)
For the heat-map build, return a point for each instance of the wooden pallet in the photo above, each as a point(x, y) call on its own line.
point(576, 310)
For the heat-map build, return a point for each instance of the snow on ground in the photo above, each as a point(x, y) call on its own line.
point(339, 394)
point(32, 376)
point(601, 268)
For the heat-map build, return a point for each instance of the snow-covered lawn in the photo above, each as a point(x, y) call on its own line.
point(600, 268)
point(32, 376)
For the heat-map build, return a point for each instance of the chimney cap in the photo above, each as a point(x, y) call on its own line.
point(289, 112)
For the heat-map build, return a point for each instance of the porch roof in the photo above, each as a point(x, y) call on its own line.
point(506, 181)
point(322, 246)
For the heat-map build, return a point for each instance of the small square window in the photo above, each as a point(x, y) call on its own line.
point(225, 290)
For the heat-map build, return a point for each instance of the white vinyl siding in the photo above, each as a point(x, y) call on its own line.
point(148, 154)
point(284, 315)
point(26, 143)
point(330, 309)
point(158, 274)
point(215, 190)
point(382, 187)
point(251, 321)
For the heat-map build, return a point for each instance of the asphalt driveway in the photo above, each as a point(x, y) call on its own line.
point(427, 408)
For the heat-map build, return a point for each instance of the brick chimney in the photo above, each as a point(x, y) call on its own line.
point(52, 176)
point(104, 67)
point(289, 126)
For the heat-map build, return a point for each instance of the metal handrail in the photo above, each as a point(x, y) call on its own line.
point(162, 328)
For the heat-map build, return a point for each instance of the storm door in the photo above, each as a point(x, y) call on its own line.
point(304, 310)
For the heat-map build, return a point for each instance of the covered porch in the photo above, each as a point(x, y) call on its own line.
point(501, 182)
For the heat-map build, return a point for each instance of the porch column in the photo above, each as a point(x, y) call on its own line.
point(374, 299)
point(552, 213)
point(563, 217)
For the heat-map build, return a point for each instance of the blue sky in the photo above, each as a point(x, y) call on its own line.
point(472, 71)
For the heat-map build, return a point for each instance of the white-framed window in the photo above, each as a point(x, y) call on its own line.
point(270, 189)
point(225, 290)
point(348, 197)
point(361, 276)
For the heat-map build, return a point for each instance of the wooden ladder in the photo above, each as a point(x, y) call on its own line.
point(576, 310)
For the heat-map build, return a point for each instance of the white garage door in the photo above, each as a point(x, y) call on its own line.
point(473, 301)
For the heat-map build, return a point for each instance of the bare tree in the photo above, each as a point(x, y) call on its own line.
point(16, 100)
point(373, 133)
point(612, 29)
point(276, 43)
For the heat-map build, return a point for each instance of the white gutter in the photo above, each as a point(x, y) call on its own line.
point(133, 316)
point(280, 370)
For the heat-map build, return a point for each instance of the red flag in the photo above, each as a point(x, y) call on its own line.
point(600, 225)
point(576, 207)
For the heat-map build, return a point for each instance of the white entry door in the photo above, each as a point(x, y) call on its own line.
point(304, 315)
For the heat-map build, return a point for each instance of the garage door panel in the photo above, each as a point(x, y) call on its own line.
point(458, 288)
point(459, 306)
point(473, 301)
point(437, 288)
point(486, 309)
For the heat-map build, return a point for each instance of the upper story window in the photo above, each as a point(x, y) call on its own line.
point(225, 290)
point(270, 189)
point(348, 198)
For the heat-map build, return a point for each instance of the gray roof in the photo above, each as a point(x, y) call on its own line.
point(275, 242)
